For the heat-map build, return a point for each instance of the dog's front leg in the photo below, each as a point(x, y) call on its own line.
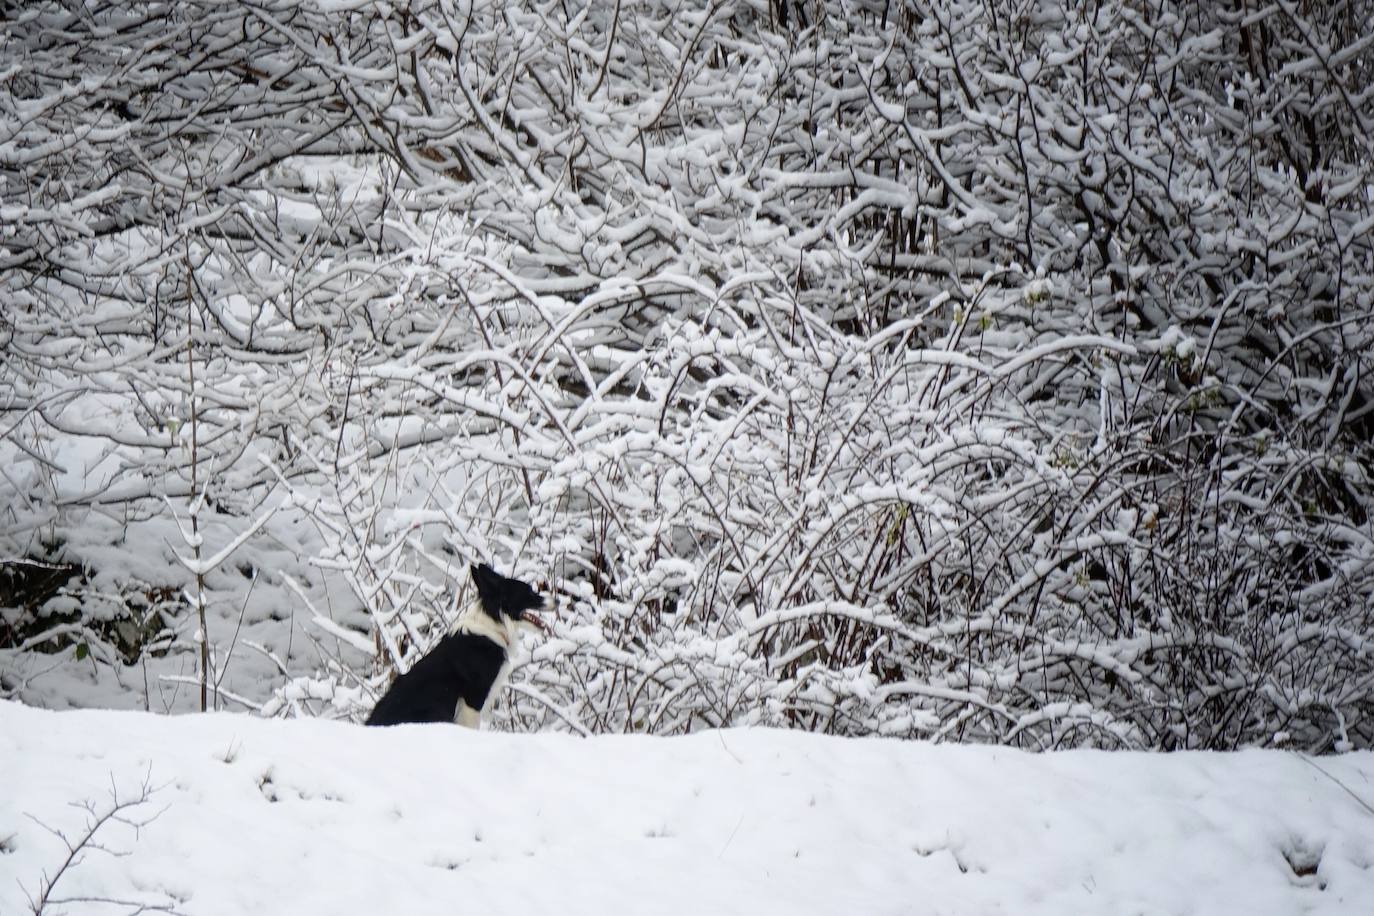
point(467, 716)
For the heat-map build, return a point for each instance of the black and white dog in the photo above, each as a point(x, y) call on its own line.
point(461, 676)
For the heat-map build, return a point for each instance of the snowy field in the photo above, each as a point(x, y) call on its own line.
point(250, 816)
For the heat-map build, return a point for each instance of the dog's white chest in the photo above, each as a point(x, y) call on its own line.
point(503, 633)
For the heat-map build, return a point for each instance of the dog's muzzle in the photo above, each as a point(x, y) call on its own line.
point(533, 619)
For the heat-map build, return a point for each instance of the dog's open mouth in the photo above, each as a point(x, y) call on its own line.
point(533, 617)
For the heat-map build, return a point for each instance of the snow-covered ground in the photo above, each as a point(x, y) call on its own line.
point(250, 816)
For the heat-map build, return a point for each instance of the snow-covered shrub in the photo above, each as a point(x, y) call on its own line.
point(982, 371)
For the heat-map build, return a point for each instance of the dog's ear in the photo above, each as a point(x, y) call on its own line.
point(487, 582)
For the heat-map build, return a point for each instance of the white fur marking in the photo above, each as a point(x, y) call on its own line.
point(478, 622)
point(467, 717)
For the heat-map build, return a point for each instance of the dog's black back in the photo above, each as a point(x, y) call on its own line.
point(467, 665)
point(463, 666)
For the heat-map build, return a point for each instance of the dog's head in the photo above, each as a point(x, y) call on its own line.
point(508, 600)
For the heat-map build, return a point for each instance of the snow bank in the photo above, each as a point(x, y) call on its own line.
point(251, 816)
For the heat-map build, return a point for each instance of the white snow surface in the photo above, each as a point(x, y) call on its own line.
point(251, 816)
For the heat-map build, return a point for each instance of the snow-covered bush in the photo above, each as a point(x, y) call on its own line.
point(978, 371)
